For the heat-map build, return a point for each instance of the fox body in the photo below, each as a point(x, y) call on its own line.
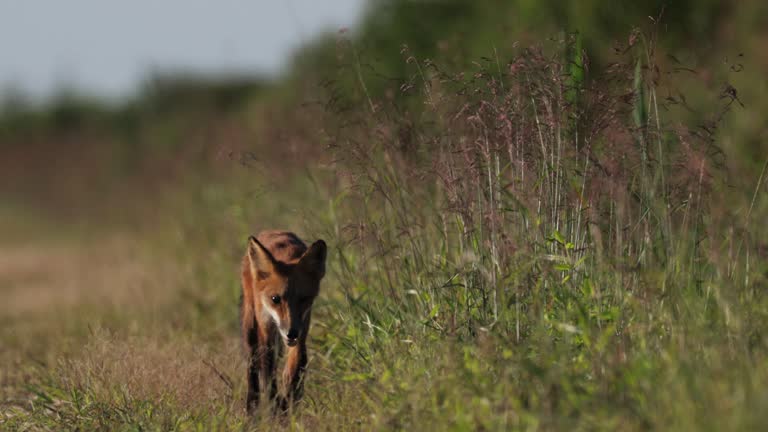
point(280, 280)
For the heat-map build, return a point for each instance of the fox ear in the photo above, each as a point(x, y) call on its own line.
point(313, 260)
point(262, 262)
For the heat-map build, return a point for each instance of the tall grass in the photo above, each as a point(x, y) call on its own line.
point(564, 221)
point(528, 169)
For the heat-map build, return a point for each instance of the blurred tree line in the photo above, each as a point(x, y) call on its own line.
point(457, 32)
point(452, 33)
point(723, 43)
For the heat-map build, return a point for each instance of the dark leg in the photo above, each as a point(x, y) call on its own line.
point(261, 366)
point(252, 341)
point(266, 361)
point(267, 364)
point(252, 397)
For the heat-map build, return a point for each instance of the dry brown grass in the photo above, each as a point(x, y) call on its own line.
point(182, 371)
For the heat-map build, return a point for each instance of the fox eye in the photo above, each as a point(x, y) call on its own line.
point(276, 299)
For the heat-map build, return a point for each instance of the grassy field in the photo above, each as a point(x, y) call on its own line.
point(514, 247)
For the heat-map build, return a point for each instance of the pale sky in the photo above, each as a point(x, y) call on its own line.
point(107, 47)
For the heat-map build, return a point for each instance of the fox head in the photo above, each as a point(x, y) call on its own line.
point(286, 292)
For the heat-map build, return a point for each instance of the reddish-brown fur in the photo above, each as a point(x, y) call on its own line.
point(280, 280)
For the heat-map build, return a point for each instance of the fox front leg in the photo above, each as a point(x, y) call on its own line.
point(293, 375)
point(252, 397)
point(261, 370)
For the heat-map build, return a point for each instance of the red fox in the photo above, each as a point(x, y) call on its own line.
point(280, 280)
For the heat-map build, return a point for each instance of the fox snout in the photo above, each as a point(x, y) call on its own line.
point(292, 338)
point(291, 335)
point(288, 328)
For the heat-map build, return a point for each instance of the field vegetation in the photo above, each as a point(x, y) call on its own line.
point(529, 228)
